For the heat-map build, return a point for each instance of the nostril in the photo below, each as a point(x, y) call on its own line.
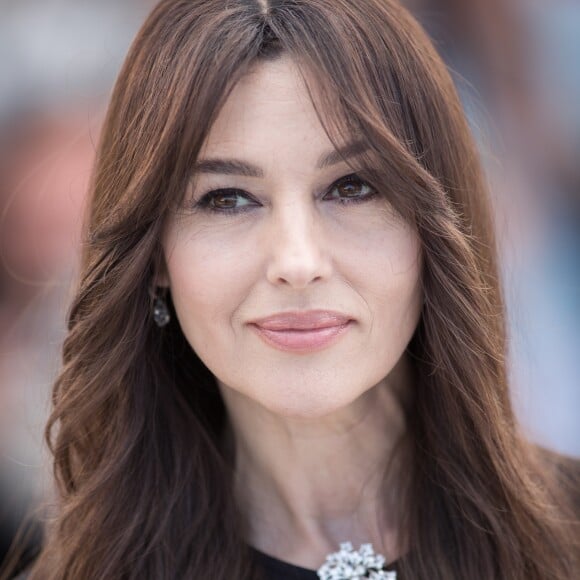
point(297, 273)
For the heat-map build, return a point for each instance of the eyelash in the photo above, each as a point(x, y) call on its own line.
point(204, 203)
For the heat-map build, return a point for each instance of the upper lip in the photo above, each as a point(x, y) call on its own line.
point(302, 320)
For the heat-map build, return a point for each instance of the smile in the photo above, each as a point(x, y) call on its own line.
point(302, 332)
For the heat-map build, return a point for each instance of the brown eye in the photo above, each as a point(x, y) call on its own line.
point(350, 189)
point(223, 201)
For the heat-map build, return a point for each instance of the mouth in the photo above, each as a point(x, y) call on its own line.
point(302, 331)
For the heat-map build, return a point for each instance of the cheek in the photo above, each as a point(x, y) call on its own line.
point(210, 275)
point(389, 281)
point(398, 278)
point(383, 257)
point(207, 271)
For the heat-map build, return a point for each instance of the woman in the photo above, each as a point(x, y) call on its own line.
point(289, 331)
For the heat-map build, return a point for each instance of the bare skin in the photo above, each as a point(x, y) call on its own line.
point(308, 486)
point(313, 432)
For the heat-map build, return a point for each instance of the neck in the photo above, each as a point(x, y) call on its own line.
point(307, 485)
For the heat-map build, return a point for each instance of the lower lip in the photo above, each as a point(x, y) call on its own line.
point(302, 340)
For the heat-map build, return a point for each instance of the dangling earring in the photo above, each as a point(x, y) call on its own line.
point(161, 312)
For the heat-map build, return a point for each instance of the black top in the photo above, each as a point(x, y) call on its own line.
point(278, 570)
point(273, 568)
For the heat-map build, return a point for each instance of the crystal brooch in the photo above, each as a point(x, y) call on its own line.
point(346, 564)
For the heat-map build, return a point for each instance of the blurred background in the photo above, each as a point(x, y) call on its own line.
point(517, 67)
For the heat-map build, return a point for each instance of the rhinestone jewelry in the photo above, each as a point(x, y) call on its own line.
point(346, 564)
point(161, 312)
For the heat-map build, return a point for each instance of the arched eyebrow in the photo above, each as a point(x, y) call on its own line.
point(245, 169)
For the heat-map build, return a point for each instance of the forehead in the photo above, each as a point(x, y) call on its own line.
point(268, 111)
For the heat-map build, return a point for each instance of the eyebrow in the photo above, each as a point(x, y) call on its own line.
point(245, 169)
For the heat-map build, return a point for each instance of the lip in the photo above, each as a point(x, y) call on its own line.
point(302, 331)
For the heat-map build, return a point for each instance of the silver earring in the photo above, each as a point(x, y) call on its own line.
point(161, 312)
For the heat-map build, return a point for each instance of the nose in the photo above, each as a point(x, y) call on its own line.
point(298, 255)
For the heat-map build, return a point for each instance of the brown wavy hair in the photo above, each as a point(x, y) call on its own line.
point(145, 485)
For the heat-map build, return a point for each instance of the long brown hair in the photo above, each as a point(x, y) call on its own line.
point(146, 489)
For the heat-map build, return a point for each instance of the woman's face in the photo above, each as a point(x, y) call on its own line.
point(283, 234)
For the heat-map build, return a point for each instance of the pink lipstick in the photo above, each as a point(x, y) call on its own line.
point(302, 331)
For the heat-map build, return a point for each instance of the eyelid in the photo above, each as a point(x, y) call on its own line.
point(208, 195)
point(348, 177)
